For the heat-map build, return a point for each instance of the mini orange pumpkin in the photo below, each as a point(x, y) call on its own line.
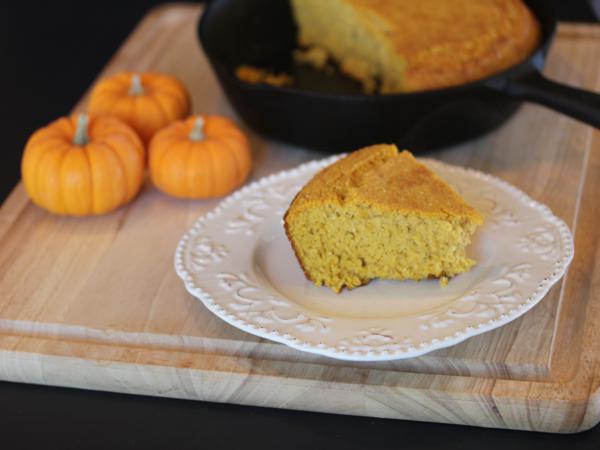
point(147, 101)
point(82, 166)
point(201, 157)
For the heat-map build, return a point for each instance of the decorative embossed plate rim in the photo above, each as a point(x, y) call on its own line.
point(246, 301)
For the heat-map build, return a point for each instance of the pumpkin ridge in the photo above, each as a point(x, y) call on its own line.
point(115, 138)
point(127, 106)
point(135, 140)
point(134, 114)
point(104, 104)
point(48, 141)
point(168, 149)
point(100, 162)
point(125, 197)
point(43, 135)
point(38, 173)
point(72, 158)
point(180, 97)
point(169, 104)
point(37, 178)
point(164, 115)
point(132, 139)
point(93, 181)
point(43, 151)
point(153, 118)
point(129, 194)
point(189, 185)
point(238, 175)
point(60, 159)
point(91, 172)
point(115, 130)
point(213, 157)
point(34, 168)
point(180, 103)
point(61, 188)
point(182, 183)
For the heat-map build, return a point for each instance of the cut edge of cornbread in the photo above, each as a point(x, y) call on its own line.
point(406, 46)
point(344, 235)
point(362, 52)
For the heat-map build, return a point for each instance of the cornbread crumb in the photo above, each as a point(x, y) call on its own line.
point(254, 75)
point(314, 56)
point(378, 213)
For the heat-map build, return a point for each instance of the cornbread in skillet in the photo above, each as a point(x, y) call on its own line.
point(413, 45)
point(379, 213)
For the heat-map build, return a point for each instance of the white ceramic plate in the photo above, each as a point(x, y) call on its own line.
point(238, 262)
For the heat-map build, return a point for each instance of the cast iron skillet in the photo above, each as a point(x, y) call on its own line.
point(331, 113)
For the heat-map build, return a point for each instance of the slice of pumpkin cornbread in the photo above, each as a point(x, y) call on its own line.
point(379, 213)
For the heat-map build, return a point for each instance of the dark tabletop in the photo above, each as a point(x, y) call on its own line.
point(49, 53)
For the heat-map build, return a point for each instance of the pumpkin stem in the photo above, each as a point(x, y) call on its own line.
point(136, 87)
point(197, 133)
point(81, 131)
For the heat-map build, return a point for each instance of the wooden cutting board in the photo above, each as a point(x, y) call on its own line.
point(95, 303)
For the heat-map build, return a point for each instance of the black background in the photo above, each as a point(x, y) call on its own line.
point(49, 54)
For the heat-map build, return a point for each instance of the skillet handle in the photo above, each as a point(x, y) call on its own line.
point(577, 103)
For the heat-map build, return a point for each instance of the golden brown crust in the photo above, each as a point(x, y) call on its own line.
point(381, 176)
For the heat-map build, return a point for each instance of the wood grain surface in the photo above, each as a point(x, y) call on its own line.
point(95, 302)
